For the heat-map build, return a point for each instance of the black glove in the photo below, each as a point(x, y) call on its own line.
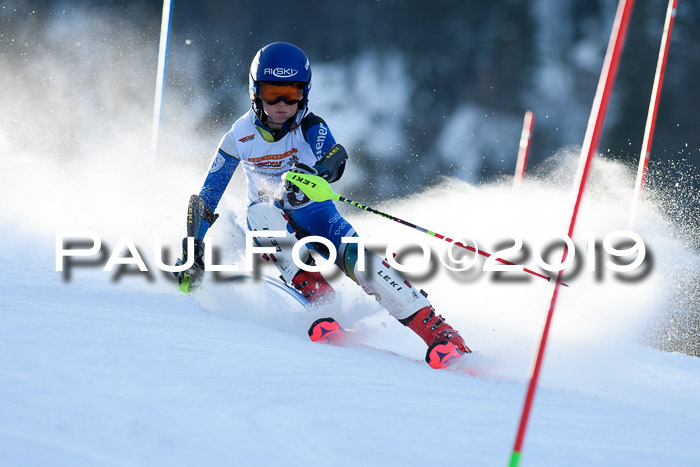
point(332, 164)
point(192, 278)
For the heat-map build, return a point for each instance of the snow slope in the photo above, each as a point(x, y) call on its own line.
point(101, 368)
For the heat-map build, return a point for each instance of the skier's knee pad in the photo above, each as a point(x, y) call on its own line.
point(389, 286)
point(266, 216)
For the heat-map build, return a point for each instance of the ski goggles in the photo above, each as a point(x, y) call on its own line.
point(273, 93)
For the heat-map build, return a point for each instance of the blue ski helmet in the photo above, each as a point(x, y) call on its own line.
point(279, 62)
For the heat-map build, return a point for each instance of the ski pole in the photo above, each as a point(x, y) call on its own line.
point(653, 108)
point(318, 189)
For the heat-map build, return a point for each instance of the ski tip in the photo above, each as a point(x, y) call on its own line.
point(322, 329)
point(185, 285)
point(442, 354)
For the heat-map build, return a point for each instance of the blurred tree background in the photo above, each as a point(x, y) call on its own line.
point(448, 81)
point(502, 57)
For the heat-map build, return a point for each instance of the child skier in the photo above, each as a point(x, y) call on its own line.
point(279, 134)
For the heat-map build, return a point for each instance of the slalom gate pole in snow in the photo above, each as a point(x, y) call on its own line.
point(523, 149)
point(590, 143)
point(160, 78)
point(318, 189)
point(653, 107)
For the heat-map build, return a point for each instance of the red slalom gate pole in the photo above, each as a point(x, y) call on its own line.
point(523, 149)
point(590, 143)
point(653, 107)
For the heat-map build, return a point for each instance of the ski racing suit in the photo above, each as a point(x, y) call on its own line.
point(266, 155)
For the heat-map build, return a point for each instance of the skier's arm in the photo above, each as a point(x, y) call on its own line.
point(221, 169)
point(331, 157)
point(317, 134)
point(200, 214)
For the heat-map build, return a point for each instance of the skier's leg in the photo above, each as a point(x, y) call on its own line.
point(322, 220)
point(266, 215)
point(408, 305)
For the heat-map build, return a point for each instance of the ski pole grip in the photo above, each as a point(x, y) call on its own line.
point(313, 186)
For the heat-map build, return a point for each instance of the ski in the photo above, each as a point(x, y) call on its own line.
point(325, 330)
point(277, 284)
point(440, 355)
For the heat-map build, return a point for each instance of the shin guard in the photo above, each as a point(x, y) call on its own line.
point(389, 286)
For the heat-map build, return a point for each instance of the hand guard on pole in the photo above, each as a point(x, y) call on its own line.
point(330, 167)
point(299, 169)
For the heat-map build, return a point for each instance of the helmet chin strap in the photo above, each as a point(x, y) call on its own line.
point(256, 105)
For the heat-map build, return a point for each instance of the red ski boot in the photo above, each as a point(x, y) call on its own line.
point(444, 343)
point(313, 286)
